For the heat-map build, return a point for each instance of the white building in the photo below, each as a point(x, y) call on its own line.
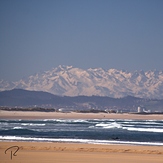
point(140, 109)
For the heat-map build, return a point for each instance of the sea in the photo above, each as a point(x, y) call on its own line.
point(91, 131)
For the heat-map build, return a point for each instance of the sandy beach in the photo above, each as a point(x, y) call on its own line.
point(41, 152)
point(35, 152)
point(73, 115)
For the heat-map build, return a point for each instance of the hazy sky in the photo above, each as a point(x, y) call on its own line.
point(37, 35)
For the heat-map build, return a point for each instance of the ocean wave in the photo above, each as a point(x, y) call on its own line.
point(109, 125)
point(144, 129)
point(87, 141)
point(66, 121)
point(17, 128)
point(32, 124)
point(18, 131)
point(143, 123)
point(110, 130)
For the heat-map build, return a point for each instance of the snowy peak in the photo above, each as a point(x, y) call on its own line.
point(72, 81)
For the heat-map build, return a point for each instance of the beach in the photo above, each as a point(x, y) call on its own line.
point(57, 152)
point(42, 152)
point(74, 115)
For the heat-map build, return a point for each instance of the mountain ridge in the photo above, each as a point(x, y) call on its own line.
point(73, 81)
point(21, 100)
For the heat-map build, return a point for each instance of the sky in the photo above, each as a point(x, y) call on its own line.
point(38, 35)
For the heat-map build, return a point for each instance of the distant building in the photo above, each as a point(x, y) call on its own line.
point(63, 110)
point(140, 109)
point(146, 111)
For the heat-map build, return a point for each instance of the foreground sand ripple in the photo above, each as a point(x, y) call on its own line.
point(43, 146)
point(74, 152)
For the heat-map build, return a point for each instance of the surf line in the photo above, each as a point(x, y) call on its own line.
point(13, 152)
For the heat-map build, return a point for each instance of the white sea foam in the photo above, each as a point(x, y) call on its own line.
point(88, 141)
point(72, 120)
point(32, 124)
point(18, 128)
point(144, 129)
point(109, 125)
point(67, 120)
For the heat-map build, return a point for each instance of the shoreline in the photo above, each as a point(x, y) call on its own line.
point(75, 152)
point(138, 144)
point(74, 115)
point(65, 152)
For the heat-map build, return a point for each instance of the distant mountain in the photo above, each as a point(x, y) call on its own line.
point(20, 97)
point(71, 81)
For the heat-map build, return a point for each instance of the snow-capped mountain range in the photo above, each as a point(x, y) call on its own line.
point(72, 81)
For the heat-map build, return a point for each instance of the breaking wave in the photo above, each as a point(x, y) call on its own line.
point(102, 131)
